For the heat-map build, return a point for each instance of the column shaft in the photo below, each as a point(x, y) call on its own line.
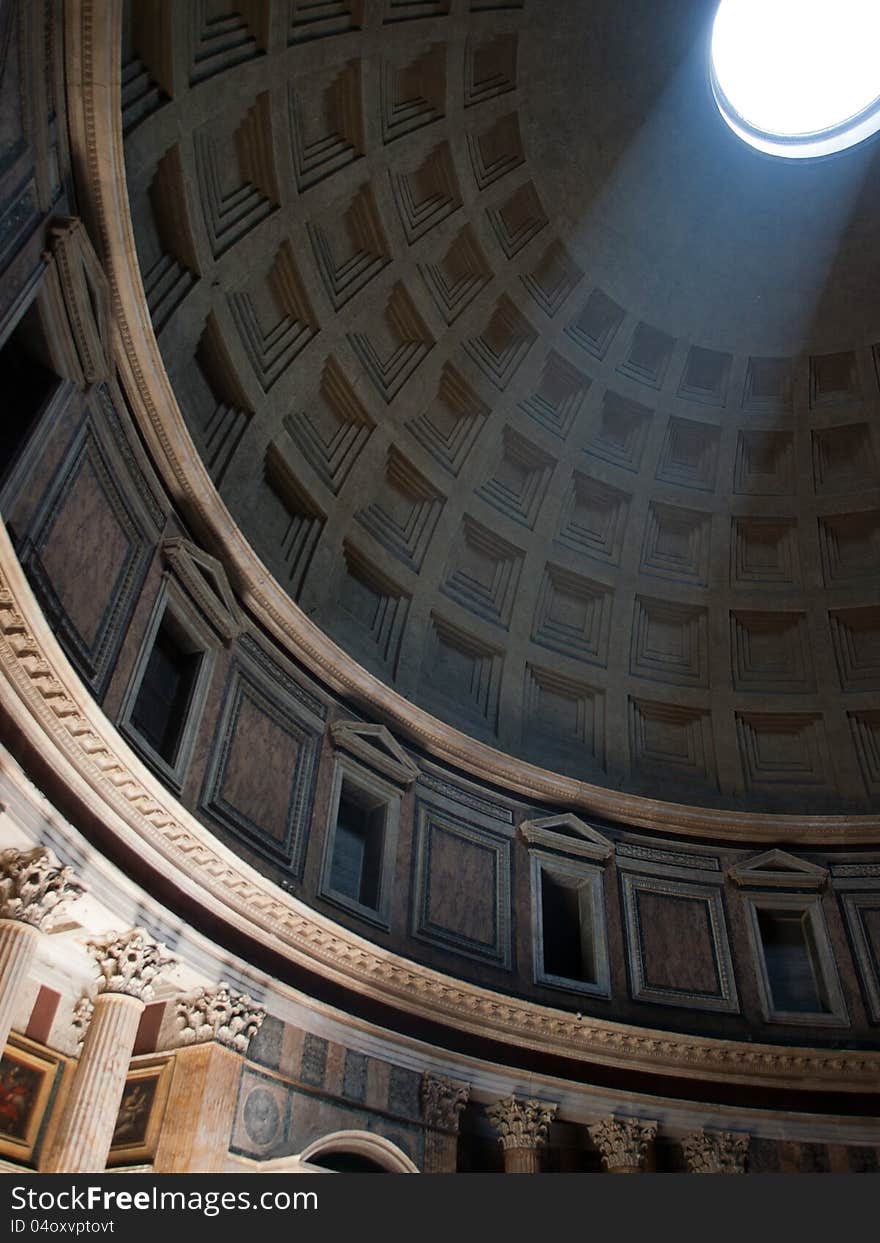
point(441, 1152)
point(82, 1140)
point(18, 945)
point(522, 1161)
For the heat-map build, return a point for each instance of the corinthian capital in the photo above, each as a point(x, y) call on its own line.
point(33, 887)
point(715, 1152)
point(219, 1014)
point(129, 963)
point(623, 1142)
point(521, 1124)
point(443, 1101)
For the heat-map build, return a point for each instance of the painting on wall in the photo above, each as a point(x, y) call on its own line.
point(140, 1113)
point(28, 1075)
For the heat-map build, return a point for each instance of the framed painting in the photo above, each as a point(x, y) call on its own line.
point(29, 1075)
point(140, 1113)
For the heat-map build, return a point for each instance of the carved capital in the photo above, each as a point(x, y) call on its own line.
point(442, 1101)
point(521, 1124)
point(129, 963)
point(623, 1142)
point(33, 887)
point(715, 1152)
point(219, 1014)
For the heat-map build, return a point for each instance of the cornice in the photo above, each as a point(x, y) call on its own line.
point(50, 706)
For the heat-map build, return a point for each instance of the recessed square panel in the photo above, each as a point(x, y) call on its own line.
point(461, 891)
point(677, 943)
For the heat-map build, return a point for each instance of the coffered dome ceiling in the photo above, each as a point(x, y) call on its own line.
point(550, 402)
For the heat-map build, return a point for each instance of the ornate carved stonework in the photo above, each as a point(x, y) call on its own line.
point(623, 1142)
point(33, 887)
point(521, 1124)
point(219, 1014)
point(82, 1016)
point(129, 963)
point(715, 1152)
point(442, 1101)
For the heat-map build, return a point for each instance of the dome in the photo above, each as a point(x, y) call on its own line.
point(539, 394)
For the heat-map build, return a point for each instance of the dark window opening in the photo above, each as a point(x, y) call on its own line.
point(567, 930)
point(358, 847)
point(347, 1163)
point(166, 690)
point(27, 383)
point(791, 961)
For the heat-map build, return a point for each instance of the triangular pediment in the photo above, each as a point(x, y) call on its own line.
point(78, 276)
point(568, 834)
point(777, 869)
point(205, 582)
point(376, 747)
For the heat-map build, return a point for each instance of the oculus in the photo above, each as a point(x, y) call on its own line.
point(798, 78)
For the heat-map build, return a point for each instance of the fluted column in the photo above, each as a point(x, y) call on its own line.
point(33, 888)
point(715, 1152)
point(128, 965)
point(442, 1103)
point(522, 1128)
point(216, 1026)
point(623, 1143)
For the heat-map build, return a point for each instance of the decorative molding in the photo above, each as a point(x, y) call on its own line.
point(34, 888)
point(205, 582)
point(623, 1142)
point(86, 297)
point(777, 869)
point(230, 1018)
point(443, 1102)
point(715, 1152)
point(375, 747)
point(573, 837)
point(521, 1124)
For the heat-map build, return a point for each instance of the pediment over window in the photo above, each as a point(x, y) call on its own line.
point(569, 835)
point(78, 300)
point(376, 747)
point(205, 582)
point(777, 869)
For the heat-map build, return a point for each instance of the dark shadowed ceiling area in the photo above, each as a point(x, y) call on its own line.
point(549, 401)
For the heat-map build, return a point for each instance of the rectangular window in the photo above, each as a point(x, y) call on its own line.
point(358, 847)
point(166, 689)
point(361, 842)
point(568, 924)
point(792, 963)
point(164, 700)
point(797, 974)
point(28, 382)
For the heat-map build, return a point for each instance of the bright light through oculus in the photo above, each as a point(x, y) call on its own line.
point(798, 77)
